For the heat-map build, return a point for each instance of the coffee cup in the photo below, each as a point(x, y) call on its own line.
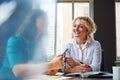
point(116, 72)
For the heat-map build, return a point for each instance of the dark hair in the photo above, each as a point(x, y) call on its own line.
point(28, 29)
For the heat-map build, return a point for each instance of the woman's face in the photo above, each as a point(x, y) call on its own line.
point(40, 23)
point(79, 29)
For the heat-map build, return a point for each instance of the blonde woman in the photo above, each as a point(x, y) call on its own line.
point(83, 53)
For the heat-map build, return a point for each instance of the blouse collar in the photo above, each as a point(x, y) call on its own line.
point(88, 41)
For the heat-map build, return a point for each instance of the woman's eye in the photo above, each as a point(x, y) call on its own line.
point(74, 26)
point(81, 26)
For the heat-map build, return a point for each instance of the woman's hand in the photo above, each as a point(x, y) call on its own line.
point(57, 62)
point(85, 68)
point(52, 72)
point(79, 68)
point(71, 62)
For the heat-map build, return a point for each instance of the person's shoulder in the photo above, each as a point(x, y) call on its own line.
point(95, 43)
point(15, 38)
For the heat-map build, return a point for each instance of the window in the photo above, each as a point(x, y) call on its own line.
point(64, 20)
point(65, 12)
point(81, 9)
point(49, 8)
point(117, 6)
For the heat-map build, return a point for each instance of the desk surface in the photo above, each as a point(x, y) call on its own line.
point(90, 79)
point(59, 76)
point(46, 77)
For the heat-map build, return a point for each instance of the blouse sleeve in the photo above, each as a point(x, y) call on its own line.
point(96, 62)
point(13, 51)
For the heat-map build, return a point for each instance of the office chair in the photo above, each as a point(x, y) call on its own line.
point(102, 63)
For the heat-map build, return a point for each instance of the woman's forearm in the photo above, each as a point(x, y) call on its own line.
point(22, 70)
point(70, 70)
point(33, 69)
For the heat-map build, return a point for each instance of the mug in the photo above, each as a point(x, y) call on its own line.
point(116, 72)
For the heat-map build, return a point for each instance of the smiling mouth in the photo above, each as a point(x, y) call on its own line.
point(77, 32)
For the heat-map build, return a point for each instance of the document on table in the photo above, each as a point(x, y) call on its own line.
point(48, 77)
point(59, 78)
point(78, 74)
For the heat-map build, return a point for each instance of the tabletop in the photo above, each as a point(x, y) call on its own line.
point(61, 76)
point(77, 78)
point(46, 77)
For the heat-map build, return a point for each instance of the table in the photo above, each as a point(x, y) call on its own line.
point(60, 76)
point(46, 77)
point(76, 78)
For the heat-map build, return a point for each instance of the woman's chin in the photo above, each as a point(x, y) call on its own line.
point(76, 36)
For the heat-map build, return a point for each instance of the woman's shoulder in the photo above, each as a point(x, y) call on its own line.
point(95, 43)
point(15, 38)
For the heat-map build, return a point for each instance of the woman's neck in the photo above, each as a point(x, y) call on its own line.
point(81, 41)
point(38, 36)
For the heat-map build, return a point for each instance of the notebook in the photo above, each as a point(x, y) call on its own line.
point(91, 74)
point(102, 75)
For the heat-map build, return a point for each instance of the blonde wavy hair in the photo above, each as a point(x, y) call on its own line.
point(89, 24)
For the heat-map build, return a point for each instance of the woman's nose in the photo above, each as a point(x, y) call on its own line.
point(76, 28)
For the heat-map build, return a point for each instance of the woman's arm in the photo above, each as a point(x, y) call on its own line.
point(97, 57)
point(71, 62)
point(16, 60)
point(22, 70)
point(13, 51)
point(78, 68)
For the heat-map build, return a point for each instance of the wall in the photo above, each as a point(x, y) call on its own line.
point(104, 16)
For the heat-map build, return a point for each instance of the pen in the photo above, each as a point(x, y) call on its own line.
point(81, 62)
point(64, 55)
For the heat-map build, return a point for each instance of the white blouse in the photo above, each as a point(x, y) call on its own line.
point(90, 53)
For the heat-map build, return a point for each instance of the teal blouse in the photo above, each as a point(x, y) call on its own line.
point(20, 51)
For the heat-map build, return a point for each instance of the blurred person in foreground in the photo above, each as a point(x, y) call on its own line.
point(83, 53)
point(25, 52)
